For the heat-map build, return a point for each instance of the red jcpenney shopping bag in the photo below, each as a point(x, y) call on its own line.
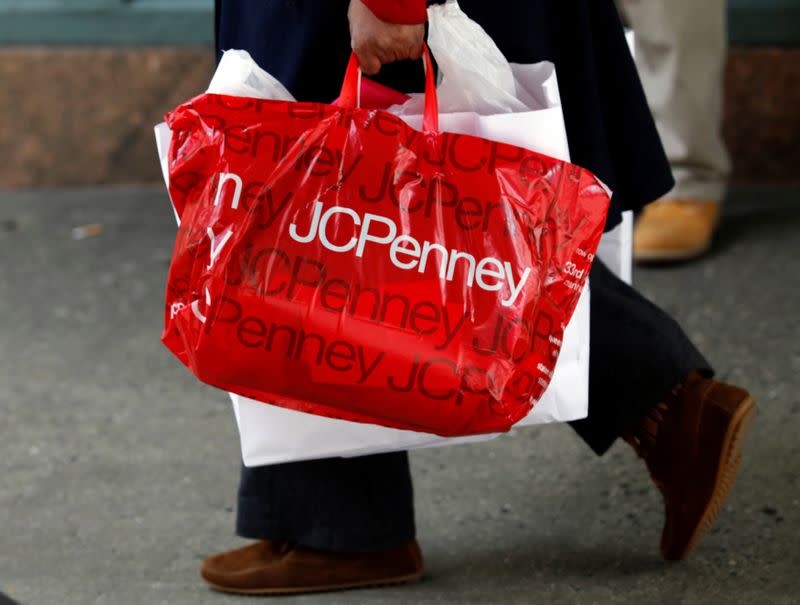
point(335, 261)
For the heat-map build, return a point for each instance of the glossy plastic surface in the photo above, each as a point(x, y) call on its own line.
point(333, 260)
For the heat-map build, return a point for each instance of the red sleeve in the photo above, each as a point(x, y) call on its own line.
point(399, 11)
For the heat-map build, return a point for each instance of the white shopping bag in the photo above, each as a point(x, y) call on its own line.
point(516, 104)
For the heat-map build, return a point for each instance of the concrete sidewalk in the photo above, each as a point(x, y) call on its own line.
point(118, 470)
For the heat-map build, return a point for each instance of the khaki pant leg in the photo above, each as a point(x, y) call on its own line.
point(681, 47)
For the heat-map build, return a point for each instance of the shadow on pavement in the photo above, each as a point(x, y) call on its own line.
point(4, 600)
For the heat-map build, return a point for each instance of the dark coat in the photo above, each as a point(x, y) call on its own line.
point(306, 44)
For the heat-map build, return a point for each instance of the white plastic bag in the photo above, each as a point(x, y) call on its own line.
point(484, 95)
point(474, 74)
point(238, 75)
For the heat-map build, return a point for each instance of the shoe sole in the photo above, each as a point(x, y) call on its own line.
point(729, 462)
point(675, 255)
point(312, 589)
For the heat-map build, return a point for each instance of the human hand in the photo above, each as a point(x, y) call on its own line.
point(376, 42)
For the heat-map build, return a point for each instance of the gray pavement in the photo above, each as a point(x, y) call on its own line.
point(118, 470)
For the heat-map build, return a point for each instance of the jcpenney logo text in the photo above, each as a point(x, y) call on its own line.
point(408, 253)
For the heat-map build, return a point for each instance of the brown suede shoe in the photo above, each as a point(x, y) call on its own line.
point(282, 568)
point(692, 445)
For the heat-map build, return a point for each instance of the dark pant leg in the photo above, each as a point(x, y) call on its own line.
point(638, 354)
point(362, 504)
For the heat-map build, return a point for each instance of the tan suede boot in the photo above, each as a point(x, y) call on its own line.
point(267, 567)
point(674, 230)
point(692, 444)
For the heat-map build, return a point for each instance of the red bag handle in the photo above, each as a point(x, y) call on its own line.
point(351, 90)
